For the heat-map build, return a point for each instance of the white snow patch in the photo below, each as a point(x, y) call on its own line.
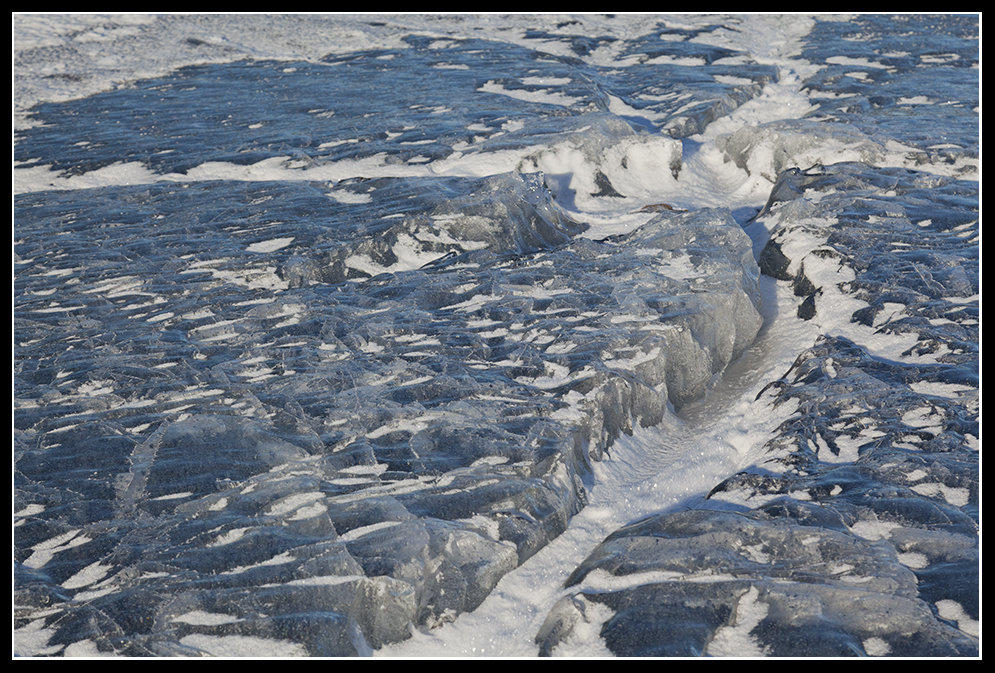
point(271, 245)
point(242, 646)
point(87, 576)
point(544, 96)
point(954, 611)
point(734, 640)
point(202, 618)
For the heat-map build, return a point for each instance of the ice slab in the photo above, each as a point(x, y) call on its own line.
point(879, 457)
point(321, 420)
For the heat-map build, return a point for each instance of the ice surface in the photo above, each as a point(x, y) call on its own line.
point(349, 335)
point(909, 82)
point(867, 461)
point(265, 433)
point(721, 583)
point(893, 526)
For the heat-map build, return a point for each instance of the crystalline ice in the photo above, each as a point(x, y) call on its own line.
point(871, 473)
point(406, 406)
point(316, 340)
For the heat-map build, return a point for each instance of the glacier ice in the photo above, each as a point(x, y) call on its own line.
point(241, 415)
point(308, 350)
point(856, 532)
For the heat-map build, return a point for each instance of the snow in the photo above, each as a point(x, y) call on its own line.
point(729, 162)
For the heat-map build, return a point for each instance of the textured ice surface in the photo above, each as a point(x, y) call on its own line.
point(715, 583)
point(325, 324)
point(907, 81)
point(383, 421)
point(856, 531)
point(436, 102)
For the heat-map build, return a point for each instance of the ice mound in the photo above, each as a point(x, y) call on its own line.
point(507, 214)
point(892, 249)
point(770, 149)
point(856, 531)
point(227, 428)
point(605, 157)
point(718, 583)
